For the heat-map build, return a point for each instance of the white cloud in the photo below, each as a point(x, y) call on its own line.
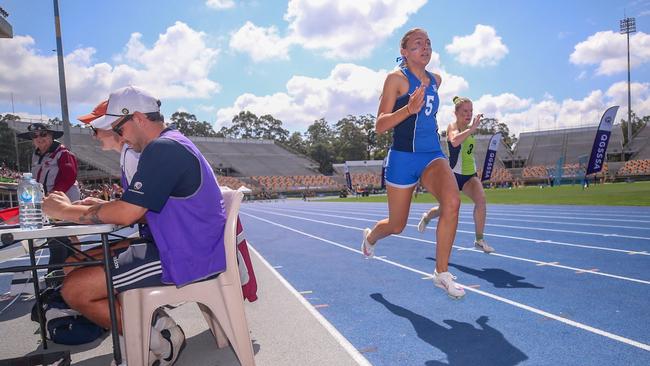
point(491, 104)
point(550, 114)
point(220, 4)
point(176, 66)
point(341, 29)
point(609, 51)
point(348, 89)
point(260, 43)
point(524, 114)
point(347, 29)
point(481, 48)
point(640, 98)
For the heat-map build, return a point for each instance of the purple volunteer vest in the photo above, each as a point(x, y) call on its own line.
point(188, 231)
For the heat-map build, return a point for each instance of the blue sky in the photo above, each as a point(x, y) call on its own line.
point(532, 64)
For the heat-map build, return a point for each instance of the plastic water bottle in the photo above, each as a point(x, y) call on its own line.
point(30, 198)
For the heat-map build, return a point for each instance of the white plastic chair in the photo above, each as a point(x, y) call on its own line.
point(220, 300)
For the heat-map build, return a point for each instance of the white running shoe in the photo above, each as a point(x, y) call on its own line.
point(445, 281)
point(367, 249)
point(483, 245)
point(176, 338)
point(424, 221)
point(171, 333)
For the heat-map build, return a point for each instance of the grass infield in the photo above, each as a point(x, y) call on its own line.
point(611, 194)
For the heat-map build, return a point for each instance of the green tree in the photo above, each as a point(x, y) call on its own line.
point(270, 128)
point(188, 125)
point(490, 126)
point(56, 121)
point(351, 142)
point(319, 137)
point(637, 124)
point(382, 145)
point(246, 125)
point(8, 143)
point(296, 143)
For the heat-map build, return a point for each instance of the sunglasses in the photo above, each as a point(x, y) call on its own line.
point(39, 134)
point(118, 127)
point(93, 130)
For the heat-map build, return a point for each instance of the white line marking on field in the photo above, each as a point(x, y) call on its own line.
point(587, 270)
point(547, 264)
point(470, 232)
point(351, 350)
point(550, 264)
point(642, 253)
point(561, 319)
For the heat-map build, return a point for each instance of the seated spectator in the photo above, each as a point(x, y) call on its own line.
point(177, 191)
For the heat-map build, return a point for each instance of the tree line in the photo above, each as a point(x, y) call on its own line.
point(350, 138)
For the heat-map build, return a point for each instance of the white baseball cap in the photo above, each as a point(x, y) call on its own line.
point(125, 101)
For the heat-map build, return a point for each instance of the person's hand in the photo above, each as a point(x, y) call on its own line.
point(416, 100)
point(89, 201)
point(54, 204)
point(476, 122)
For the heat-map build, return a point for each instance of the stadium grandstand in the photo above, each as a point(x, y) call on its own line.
point(363, 173)
point(539, 152)
point(640, 146)
point(268, 169)
point(256, 164)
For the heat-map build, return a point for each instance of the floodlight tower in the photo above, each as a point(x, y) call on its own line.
point(628, 25)
point(62, 88)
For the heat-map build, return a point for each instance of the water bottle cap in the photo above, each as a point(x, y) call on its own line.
point(27, 175)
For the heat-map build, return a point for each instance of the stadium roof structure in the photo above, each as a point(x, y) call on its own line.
point(547, 147)
point(239, 157)
point(6, 31)
point(640, 145)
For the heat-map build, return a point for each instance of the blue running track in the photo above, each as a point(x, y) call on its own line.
point(567, 285)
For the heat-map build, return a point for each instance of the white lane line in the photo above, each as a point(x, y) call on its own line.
point(626, 251)
point(517, 213)
point(519, 227)
point(347, 346)
point(572, 323)
point(567, 223)
point(536, 262)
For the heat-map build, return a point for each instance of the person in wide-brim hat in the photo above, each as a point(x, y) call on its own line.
point(35, 129)
point(53, 165)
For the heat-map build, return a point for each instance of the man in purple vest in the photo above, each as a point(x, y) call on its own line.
point(177, 192)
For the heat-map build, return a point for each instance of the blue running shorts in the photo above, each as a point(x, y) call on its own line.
point(403, 169)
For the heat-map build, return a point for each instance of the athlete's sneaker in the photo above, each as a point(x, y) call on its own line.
point(367, 249)
point(424, 221)
point(445, 281)
point(483, 245)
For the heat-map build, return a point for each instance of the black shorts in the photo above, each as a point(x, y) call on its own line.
point(462, 179)
point(136, 266)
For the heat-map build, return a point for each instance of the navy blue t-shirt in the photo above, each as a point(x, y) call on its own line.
point(166, 169)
